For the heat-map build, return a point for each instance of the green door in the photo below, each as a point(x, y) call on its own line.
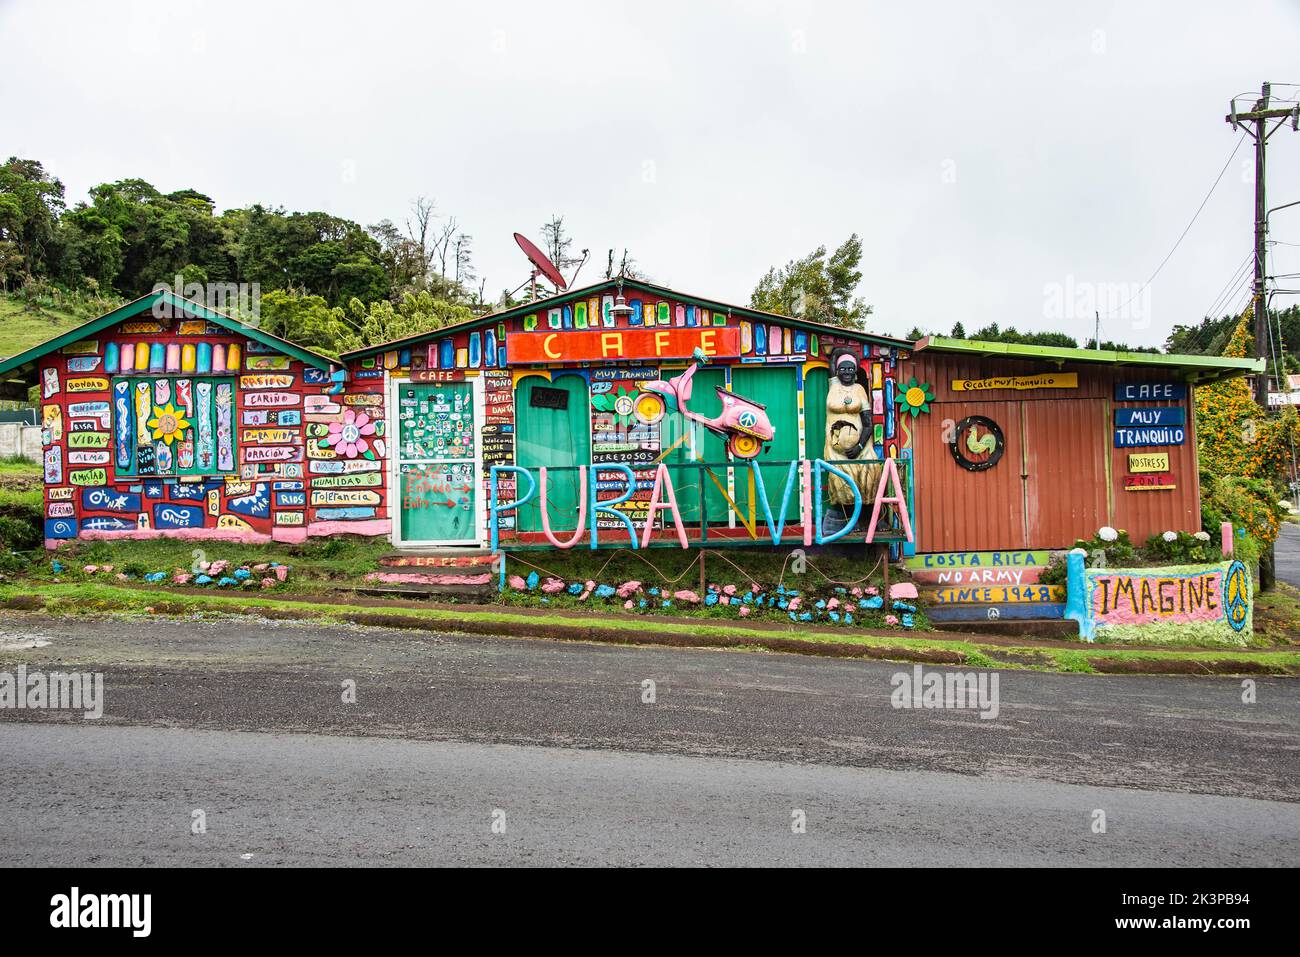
point(708, 448)
point(554, 430)
point(438, 463)
point(775, 387)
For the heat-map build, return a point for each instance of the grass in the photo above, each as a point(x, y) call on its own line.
point(93, 597)
point(24, 324)
point(320, 564)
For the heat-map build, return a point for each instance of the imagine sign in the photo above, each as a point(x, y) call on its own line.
point(1174, 603)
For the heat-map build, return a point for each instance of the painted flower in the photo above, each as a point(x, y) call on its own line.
point(168, 423)
point(915, 397)
point(1107, 534)
point(1170, 536)
point(347, 438)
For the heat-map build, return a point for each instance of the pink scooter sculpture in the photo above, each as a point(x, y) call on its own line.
point(742, 423)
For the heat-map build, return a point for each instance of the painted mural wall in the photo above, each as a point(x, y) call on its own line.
point(583, 339)
point(183, 428)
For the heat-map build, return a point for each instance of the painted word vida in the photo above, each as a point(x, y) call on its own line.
point(103, 910)
point(803, 475)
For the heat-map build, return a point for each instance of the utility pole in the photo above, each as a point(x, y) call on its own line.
point(1258, 118)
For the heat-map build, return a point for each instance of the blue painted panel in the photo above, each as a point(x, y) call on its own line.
point(177, 516)
point(1160, 435)
point(1149, 391)
point(61, 528)
point(109, 500)
point(1022, 611)
point(1151, 415)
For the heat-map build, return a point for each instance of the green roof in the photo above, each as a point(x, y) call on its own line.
point(1192, 368)
point(146, 304)
point(629, 285)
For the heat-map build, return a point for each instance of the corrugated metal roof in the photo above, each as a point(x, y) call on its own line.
point(1194, 368)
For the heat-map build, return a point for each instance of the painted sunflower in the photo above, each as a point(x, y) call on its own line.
point(915, 397)
point(168, 423)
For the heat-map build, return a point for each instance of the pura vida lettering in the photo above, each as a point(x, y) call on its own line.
point(803, 478)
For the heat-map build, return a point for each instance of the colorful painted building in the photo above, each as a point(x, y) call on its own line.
point(165, 418)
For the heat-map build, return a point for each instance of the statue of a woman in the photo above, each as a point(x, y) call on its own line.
point(849, 432)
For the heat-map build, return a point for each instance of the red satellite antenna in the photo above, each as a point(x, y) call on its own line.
point(541, 265)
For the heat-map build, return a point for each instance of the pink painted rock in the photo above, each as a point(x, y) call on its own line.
point(855, 591)
point(552, 585)
point(903, 590)
point(744, 611)
point(261, 566)
point(517, 583)
point(90, 569)
point(268, 582)
point(687, 596)
point(873, 590)
point(795, 603)
point(182, 579)
point(832, 604)
point(628, 588)
point(106, 568)
point(628, 604)
point(755, 587)
point(120, 576)
point(891, 619)
point(724, 600)
point(729, 589)
point(282, 573)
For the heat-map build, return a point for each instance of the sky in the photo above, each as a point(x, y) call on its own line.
point(1022, 163)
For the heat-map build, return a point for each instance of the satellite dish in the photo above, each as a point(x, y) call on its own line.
point(541, 265)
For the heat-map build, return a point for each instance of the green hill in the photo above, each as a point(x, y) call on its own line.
point(24, 324)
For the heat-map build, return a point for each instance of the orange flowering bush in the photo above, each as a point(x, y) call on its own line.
point(1235, 436)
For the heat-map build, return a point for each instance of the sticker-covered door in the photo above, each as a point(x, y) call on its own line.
point(438, 463)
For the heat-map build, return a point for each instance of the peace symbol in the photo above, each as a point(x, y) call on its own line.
point(1236, 596)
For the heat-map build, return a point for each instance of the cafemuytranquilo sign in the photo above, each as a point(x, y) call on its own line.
point(1047, 380)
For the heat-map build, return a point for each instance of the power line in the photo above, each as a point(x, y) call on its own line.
point(1195, 215)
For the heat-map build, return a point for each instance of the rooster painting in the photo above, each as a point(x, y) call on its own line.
point(977, 443)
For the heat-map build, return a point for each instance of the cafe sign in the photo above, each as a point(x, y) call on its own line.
point(598, 345)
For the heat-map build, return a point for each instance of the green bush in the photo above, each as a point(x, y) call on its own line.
point(1249, 504)
point(1184, 549)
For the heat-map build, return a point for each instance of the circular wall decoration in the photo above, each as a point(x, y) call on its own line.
point(978, 443)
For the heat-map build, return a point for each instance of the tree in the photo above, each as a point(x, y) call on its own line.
point(31, 202)
point(817, 288)
point(958, 330)
point(1234, 435)
point(305, 319)
point(380, 322)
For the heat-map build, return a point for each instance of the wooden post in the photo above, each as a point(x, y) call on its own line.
point(703, 583)
point(885, 562)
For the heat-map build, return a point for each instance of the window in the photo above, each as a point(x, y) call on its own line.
point(169, 425)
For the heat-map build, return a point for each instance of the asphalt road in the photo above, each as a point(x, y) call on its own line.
point(127, 796)
point(447, 728)
point(1286, 554)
